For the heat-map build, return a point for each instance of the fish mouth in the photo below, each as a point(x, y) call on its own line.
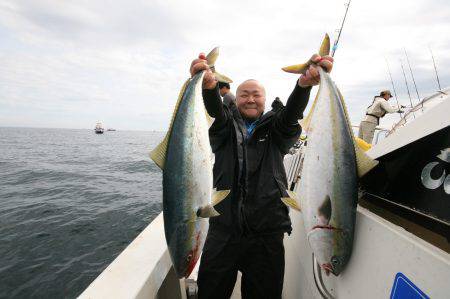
point(329, 227)
point(327, 268)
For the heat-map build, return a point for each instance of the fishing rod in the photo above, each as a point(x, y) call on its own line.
point(435, 69)
point(335, 45)
point(393, 87)
point(407, 87)
point(412, 75)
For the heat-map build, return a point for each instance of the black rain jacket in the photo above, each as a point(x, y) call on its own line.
point(252, 166)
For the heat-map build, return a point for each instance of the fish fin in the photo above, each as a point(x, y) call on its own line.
point(362, 144)
point(212, 56)
point(301, 68)
point(222, 78)
point(297, 68)
point(211, 60)
point(291, 194)
point(218, 196)
point(325, 46)
point(364, 163)
point(158, 155)
point(324, 50)
point(291, 200)
point(209, 119)
point(325, 208)
point(305, 122)
point(207, 211)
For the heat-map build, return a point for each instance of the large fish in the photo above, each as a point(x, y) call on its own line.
point(185, 158)
point(328, 190)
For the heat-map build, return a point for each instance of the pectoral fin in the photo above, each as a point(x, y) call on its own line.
point(207, 212)
point(291, 200)
point(218, 196)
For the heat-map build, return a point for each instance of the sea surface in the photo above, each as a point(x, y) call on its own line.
point(70, 202)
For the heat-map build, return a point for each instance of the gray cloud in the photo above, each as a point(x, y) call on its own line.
point(71, 63)
point(96, 23)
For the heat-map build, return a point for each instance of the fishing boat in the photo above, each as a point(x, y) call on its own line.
point(99, 128)
point(402, 237)
point(402, 243)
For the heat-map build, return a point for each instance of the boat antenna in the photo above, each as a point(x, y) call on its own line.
point(407, 87)
point(412, 75)
point(336, 42)
point(393, 86)
point(435, 69)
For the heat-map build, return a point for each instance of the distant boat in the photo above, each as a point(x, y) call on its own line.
point(99, 128)
point(111, 130)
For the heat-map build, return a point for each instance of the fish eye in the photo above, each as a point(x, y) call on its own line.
point(189, 257)
point(334, 261)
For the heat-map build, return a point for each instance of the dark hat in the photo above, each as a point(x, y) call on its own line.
point(224, 84)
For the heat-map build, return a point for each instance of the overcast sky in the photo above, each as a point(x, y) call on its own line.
point(69, 64)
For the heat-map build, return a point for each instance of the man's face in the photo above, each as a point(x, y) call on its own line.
point(250, 99)
point(387, 97)
point(223, 91)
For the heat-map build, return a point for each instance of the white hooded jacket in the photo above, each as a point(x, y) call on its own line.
point(378, 109)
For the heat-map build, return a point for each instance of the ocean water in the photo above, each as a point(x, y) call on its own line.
point(70, 202)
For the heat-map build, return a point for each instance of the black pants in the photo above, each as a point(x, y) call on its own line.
point(259, 258)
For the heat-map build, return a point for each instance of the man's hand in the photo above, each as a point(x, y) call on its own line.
point(311, 76)
point(200, 64)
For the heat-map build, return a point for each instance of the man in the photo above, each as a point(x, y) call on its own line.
point(375, 111)
point(249, 147)
point(225, 93)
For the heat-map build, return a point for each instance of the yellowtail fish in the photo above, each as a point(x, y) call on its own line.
point(185, 158)
point(333, 163)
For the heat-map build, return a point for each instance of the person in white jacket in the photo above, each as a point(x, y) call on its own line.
point(374, 112)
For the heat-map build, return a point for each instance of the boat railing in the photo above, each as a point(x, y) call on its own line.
point(142, 270)
point(420, 108)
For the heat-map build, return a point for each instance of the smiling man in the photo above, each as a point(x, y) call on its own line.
point(249, 146)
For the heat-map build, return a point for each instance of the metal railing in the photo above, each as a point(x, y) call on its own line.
point(421, 107)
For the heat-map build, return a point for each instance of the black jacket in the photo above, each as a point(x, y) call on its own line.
point(252, 168)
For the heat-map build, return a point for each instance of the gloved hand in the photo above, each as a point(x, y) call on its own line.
point(402, 106)
point(400, 111)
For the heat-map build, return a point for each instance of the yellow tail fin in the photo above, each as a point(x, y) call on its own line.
point(301, 68)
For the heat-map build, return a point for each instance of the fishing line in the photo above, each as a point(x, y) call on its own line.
point(336, 42)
